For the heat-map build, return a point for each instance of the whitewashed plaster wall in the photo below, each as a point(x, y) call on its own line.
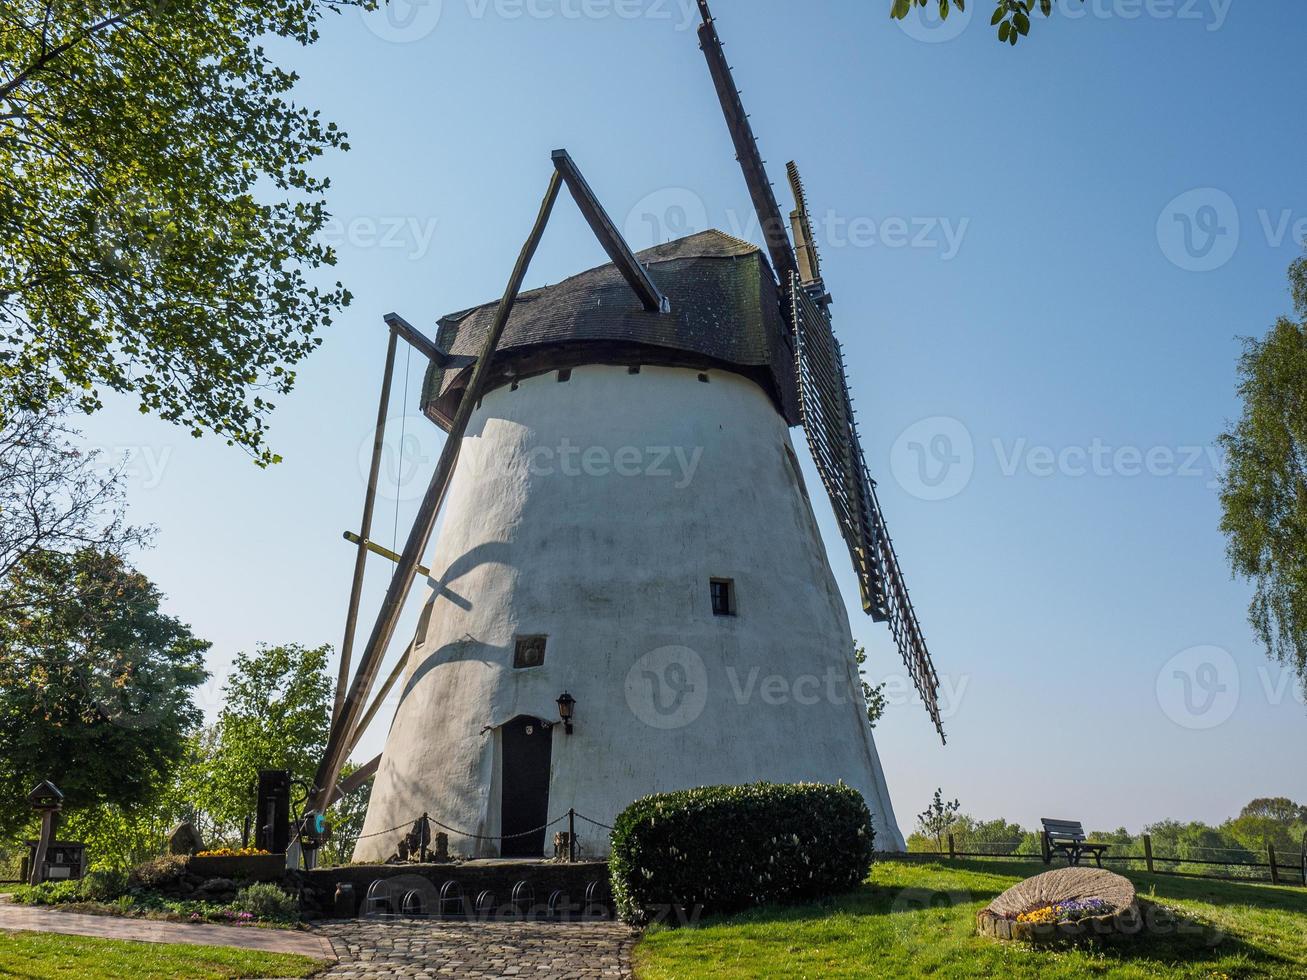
point(595, 511)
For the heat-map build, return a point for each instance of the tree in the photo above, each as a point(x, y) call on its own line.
point(988, 836)
point(1197, 841)
point(1264, 488)
point(874, 697)
point(278, 705)
point(1011, 17)
point(146, 136)
point(95, 683)
point(936, 819)
point(1278, 808)
point(51, 497)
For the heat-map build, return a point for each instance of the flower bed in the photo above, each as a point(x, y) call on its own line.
point(1070, 911)
point(255, 904)
point(1069, 903)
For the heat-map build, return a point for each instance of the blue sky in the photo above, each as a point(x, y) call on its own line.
point(1042, 260)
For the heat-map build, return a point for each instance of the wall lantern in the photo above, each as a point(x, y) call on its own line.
point(566, 708)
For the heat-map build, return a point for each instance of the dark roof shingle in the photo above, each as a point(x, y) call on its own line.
point(725, 313)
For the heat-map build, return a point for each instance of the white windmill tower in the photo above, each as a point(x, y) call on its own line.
point(629, 593)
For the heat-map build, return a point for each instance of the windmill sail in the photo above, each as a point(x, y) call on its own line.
point(825, 404)
point(832, 433)
point(805, 245)
point(746, 149)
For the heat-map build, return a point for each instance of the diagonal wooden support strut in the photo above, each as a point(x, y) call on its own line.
point(424, 345)
point(355, 779)
point(399, 328)
point(365, 528)
point(420, 534)
point(636, 275)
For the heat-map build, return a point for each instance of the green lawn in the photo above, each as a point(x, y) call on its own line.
point(42, 955)
point(918, 919)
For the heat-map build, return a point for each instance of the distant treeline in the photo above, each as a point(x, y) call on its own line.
point(1277, 821)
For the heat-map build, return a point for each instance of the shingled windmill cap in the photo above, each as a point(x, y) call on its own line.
point(46, 796)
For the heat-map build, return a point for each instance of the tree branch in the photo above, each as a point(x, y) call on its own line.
point(51, 54)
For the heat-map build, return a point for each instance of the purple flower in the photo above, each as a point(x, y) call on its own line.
point(1081, 908)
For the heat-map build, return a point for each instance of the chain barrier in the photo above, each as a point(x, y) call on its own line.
point(464, 833)
point(381, 833)
point(595, 822)
point(525, 833)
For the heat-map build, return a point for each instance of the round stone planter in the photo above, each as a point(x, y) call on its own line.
point(248, 867)
point(999, 919)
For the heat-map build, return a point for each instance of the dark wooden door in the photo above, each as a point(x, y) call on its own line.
point(527, 747)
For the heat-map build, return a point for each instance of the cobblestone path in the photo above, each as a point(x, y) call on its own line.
point(371, 948)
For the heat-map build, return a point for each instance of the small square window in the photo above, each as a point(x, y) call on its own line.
point(703, 378)
point(564, 375)
point(722, 591)
point(633, 369)
point(529, 651)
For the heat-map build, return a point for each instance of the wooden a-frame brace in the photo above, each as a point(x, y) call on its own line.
point(349, 721)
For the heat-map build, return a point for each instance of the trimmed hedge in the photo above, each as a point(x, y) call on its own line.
point(720, 849)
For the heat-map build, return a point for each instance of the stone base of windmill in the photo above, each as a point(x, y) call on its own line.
point(1070, 903)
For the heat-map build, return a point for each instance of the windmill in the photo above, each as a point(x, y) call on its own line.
point(595, 627)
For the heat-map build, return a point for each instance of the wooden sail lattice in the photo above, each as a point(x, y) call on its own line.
point(832, 430)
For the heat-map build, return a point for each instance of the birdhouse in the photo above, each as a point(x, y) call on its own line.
point(46, 796)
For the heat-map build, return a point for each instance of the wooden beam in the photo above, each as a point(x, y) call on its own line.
point(424, 345)
point(382, 552)
point(354, 780)
point(365, 528)
point(420, 534)
point(636, 275)
point(395, 674)
point(770, 221)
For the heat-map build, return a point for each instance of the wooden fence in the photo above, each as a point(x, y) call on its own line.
point(1278, 868)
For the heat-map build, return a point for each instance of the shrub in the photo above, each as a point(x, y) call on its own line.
point(158, 872)
point(720, 849)
point(102, 886)
point(267, 903)
point(97, 886)
point(46, 893)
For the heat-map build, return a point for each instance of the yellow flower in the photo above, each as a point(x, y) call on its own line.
point(1039, 917)
point(232, 852)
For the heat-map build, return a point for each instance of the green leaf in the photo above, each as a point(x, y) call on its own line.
point(999, 14)
point(169, 160)
point(1022, 21)
point(1004, 30)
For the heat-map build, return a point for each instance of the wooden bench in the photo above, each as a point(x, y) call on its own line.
point(1068, 837)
